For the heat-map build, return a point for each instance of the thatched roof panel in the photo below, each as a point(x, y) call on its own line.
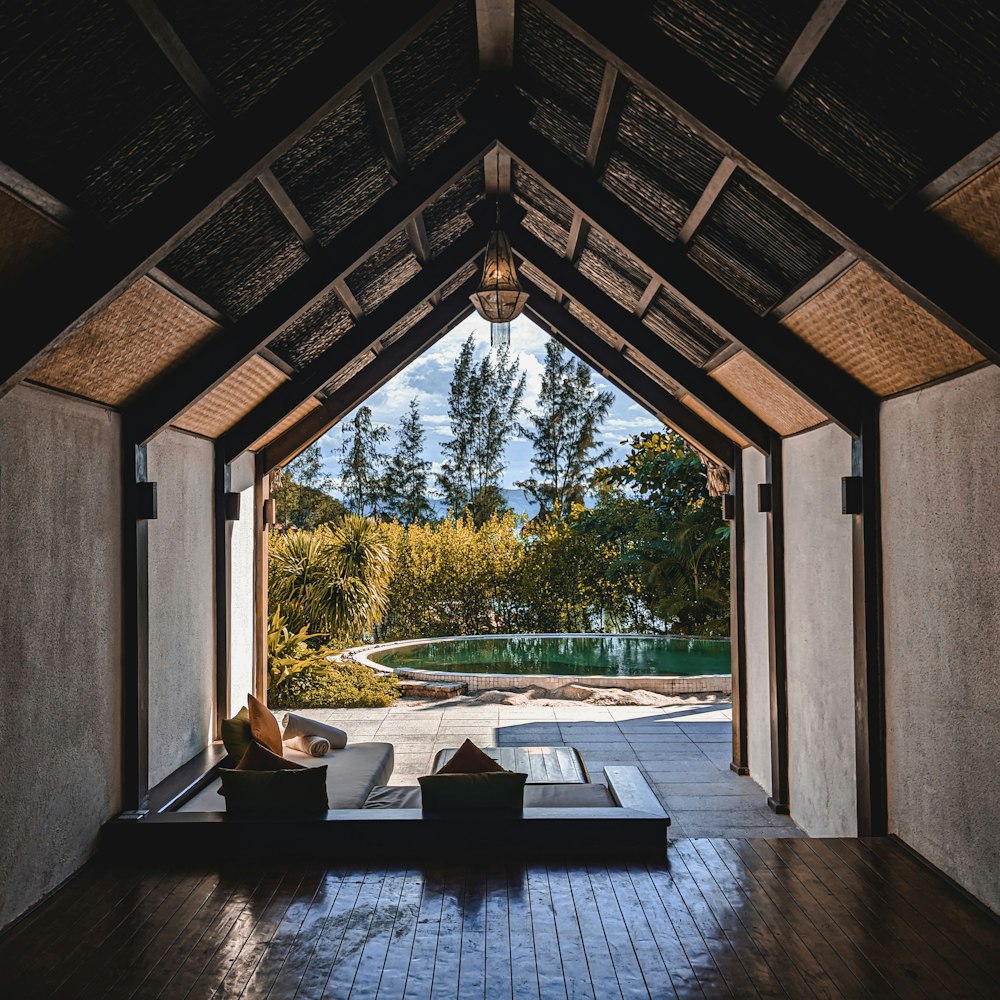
point(460, 276)
point(710, 418)
point(612, 270)
point(313, 332)
point(385, 271)
point(302, 410)
point(672, 320)
point(27, 239)
point(446, 219)
point(548, 217)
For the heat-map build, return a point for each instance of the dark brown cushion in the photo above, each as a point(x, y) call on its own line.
point(236, 734)
point(259, 758)
point(469, 759)
point(303, 789)
point(449, 792)
point(264, 725)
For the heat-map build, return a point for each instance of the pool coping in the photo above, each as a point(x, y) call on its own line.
point(665, 684)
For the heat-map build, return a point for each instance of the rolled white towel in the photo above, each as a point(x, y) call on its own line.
point(315, 746)
point(299, 725)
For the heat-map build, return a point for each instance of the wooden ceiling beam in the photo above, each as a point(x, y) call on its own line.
point(389, 362)
point(93, 274)
point(355, 342)
point(616, 318)
point(630, 379)
point(930, 264)
point(165, 400)
point(495, 36)
point(841, 397)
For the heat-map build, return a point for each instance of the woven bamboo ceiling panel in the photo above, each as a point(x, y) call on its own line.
point(710, 418)
point(27, 239)
point(766, 395)
point(872, 331)
point(141, 336)
point(974, 210)
point(233, 398)
point(302, 410)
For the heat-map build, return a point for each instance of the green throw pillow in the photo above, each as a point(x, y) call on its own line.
point(303, 789)
point(485, 790)
point(236, 734)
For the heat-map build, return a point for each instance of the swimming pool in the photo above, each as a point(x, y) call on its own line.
point(563, 655)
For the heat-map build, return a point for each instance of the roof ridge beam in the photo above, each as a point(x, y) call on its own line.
point(928, 263)
point(92, 275)
point(170, 396)
point(355, 342)
point(636, 334)
point(840, 396)
point(630, 379)
point(422, 335)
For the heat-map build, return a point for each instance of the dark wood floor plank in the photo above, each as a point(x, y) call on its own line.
point(670, 920)
point(420, 971)
point(472, 962)
point(448, 955)
point(404, 928)
point(524, 972)
point(735, 892)
point(770, 870)
point(600, 962)
point(371, 964)
point(548, 960)
point(805, 946)
point(572, 951)
point(848, 879)
point(960, 921)
point(619, 936)
point(499, 966)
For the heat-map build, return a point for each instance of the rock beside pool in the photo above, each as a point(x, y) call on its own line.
point(522, 697)
point(591, 696)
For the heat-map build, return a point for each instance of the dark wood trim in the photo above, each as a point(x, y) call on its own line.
point(187, 780)
point(261, 540)
point(869, 636)
point(495, 21)
point(646, 299)
point(936, 268)
point(385, 123)
point(135, 631)
point(95, 272)
point(370, 379)
point(652, 347)
point(707, 199)
point(618, 369)
point(171, 395)
point(958, 174)
point(222, 562)
point(779, 799)
point(737, 616)
point(812, 285)
point(352, 344)
point(604, 128)
point(837, 394)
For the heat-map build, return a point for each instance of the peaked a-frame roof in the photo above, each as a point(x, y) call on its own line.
point(753, 217)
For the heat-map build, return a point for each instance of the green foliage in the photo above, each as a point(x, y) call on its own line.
point(301, 494)
point(484, 401)
point(684, 559)
point(406, 474)
point(303, 676)
point(362, 465)
point(334, 579)
point(564, 433)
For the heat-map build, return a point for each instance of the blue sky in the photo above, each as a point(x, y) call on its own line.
point(428, 377)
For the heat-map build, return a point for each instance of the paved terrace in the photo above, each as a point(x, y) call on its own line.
point(684, 751)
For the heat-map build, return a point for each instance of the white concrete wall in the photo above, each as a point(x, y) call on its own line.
point(60, 655)
point(757, 644)
point(819, 634)
point(241, 642)
point(940, 489)
point(181, 602)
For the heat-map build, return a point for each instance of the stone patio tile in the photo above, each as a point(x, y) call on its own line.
point(714, 803)
point(357, 713)
point(705, 726)
point(712, 789)
point(666, 773)
point(620, 712)
point(425, 724)
point(712, 736)
point(743, 816)
point(712, 830)
point(660, 736)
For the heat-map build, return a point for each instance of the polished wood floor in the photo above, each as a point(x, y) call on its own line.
point(745, 918)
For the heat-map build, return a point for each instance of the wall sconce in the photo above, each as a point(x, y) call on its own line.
point(765, 498)
point(270, 513)
point(231, 501)
point(145, 501)
point(728, 507)
point(852, 495)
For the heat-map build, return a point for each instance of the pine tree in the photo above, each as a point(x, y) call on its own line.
point(302, 495)
point(362, 465)
point(563, 433)
point(406, 477)
point(483, 403)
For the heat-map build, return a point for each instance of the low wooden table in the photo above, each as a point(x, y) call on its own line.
point(543, 765)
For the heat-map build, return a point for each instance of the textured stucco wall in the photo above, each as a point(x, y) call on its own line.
point(758, 663)
point(242, 592)
point(940, 483)
point(60, 658)
point(181, 602)
point(819, 634)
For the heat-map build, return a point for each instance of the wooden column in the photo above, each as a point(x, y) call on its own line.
point(223, 589)
point(261, 537)
point(737, 614)
point(869, 638)
point(137, 492)
point(778, 673)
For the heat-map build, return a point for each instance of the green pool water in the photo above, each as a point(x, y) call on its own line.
point(579, 655)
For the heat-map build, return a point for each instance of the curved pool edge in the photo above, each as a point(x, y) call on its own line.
point(665, 684)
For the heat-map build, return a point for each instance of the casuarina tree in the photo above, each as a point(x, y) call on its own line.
point(406, 474)
point(362, 465)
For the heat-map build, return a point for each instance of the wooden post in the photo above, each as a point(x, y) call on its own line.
point(869, 636)
point(223, 590)
point(737, 615)
point(136, 494)
point(261, 536)
point(778, 673)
